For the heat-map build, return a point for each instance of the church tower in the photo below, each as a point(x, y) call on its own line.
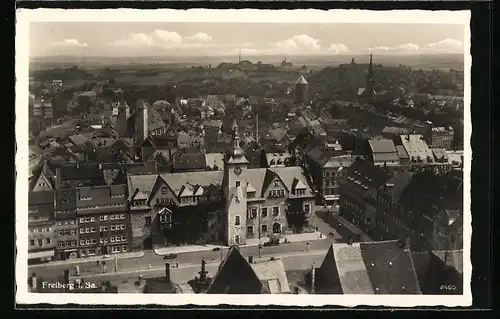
point(235, 192)
point(369, 80)
point(122, 119)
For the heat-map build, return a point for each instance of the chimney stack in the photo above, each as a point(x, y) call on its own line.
point(313, 278)
point(167, 272)
point(33, 282)
point(250, 259)
point(407, 244)
point(66, 276)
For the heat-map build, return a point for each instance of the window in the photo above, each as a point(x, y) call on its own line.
point(87, 219)
point(250, 230)
point(124, 238)
point(124, 249)
point(253, 212)
point(112, 227)
point(122, 227)
point(73, 244)
point(276, 211)
point(270, 193)
point(93, 230)
point(148, 220)
point(87, 241)
point(112, 217)
point(237, 220)
point(87, 230)
point(72, 222)
point(105, 217)
point(307, 208)
point(82, 220)
point(82, 242)
point(91, 251)
point(92, 219)
point(60, 244)
point(282, 193)
point(122, 216)
point(105, 228)
point(101, 228)
point(59, 223)
point(94, 241)
point(238, 183)
point(112, 239)
point(32, 242)
point(47, 241)
point(264, 211)
point(101, 218)
point(264, 228)
point(276, 183)
point(327, 183)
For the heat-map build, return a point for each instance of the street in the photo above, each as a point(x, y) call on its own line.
point(187, 272)
point(150, 258)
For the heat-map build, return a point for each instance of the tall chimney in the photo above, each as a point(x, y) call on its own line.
point(250, 259)
point(257, 128)
point(313, 278)
point(66, 276)
point(407, 244)
point(167, 272)
point(33, 282)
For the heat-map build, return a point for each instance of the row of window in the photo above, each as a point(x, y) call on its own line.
point(102, 206)
point(277, 193)
point(102, 218)
point(66, 222)
point(90, 230)
point(40, 230)
point(250, 229)
point(67, 244)
point(112, 239)
point(38, 218)
point(69, 232)
point(40, 242)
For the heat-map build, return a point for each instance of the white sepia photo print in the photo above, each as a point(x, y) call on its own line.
point(209, 157)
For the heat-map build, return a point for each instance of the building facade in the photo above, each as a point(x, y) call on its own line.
point(103, 220)
point(41, 245)
point(66, 225)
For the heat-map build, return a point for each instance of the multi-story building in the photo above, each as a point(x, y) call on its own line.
point(440, 137)
point(383, 153)
point(327, 171)
point(66, 224)
point(41, 225)
point(103, 220)
point(404, 207)
point(227, 205)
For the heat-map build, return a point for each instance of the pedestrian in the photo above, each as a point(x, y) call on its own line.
point(77, 270)
point(103, 266)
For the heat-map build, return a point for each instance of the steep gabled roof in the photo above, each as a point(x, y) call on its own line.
point(235, 276)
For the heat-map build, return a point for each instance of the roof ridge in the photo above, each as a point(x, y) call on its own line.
point(408, 252)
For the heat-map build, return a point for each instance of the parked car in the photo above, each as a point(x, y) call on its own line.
point(216, 249)
point(170, 256)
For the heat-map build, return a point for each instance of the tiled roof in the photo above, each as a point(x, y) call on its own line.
point(390, 268)
point(43, 197)
point(189, 160)
point(440, 154)
point(215, 160)
point(140, 186)
point(100, 196)
point(66, 199)
point(366, 174)
point(402, 152)
point(417, 148)
point(382, 146)
point(451, 258)
point(395, 130)
point(273, 273)
point(235, 276)
point(79, 139)
point(81, 172)
point(374, 268)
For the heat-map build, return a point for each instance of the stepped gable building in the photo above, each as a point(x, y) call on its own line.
point(227, 205)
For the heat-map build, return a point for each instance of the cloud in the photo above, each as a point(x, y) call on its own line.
point(443, 46)
point(70, 43)
point(447, 45)
point(338, 48)
point(200, 36)
point(407, 47)
point(162, 38)
point(299, 43)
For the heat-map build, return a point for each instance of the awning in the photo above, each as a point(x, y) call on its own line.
point(41, 254)
point(332, 197)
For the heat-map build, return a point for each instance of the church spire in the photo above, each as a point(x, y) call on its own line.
point(369, 78)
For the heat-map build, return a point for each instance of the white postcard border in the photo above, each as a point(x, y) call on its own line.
point(26, 16)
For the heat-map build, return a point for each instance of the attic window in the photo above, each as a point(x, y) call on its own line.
point(276, 183)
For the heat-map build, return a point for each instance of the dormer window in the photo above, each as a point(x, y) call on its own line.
point(276, 183)
point(251, 195)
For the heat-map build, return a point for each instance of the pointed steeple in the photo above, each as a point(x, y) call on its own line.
point(237, 154)
point(369, 78)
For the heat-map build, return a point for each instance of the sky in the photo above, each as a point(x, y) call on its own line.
point(136, 39)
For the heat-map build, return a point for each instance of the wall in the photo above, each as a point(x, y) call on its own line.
point(139, 230)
